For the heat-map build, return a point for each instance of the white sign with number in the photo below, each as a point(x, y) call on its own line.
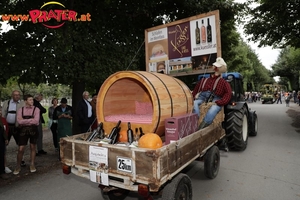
point(124, 164)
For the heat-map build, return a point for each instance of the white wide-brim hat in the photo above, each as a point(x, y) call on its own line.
point(220, 62)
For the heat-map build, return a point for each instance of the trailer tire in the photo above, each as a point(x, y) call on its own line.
point(253, 124)
point(236, 127)
point(212, 162)
point(118, 194)
point(178, 188)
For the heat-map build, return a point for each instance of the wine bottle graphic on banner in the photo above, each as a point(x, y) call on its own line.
point(203, 32)
point(208, 29)
point(197, 33)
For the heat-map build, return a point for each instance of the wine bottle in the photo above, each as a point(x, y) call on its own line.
point(114, 131)
point(141, 132)
point(136, 136)
point(197, 33)
point(92, 136)
point(203, 32)
point(208, 30)
point(116, 136)
point(130, 134)
point(100, 131)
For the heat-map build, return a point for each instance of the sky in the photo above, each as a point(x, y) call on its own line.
point(267, 55)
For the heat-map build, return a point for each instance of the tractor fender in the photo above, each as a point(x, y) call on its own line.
point(237, 106)
point(251, 112)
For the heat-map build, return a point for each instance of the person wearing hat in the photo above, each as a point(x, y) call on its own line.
point(214, 89)
point(63, 114)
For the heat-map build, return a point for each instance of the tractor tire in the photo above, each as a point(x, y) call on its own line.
point(253, 124)
point(236, 128)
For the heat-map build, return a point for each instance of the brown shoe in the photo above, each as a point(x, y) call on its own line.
point(32, 168)
point(17, 170)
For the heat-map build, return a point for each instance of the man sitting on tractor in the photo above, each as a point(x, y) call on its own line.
point(213, 89)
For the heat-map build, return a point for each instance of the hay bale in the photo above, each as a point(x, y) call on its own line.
point(203, 110)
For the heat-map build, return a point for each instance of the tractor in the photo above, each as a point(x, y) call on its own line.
point(240, 121)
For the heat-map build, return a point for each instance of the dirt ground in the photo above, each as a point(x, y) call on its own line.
point(49, 162)
point(43, 163)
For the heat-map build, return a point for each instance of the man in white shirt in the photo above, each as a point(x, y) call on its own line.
point(85, 113)
point(9, 112)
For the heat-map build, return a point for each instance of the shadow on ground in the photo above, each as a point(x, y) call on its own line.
point(294, 113)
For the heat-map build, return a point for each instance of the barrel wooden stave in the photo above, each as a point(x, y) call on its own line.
point(169, 97)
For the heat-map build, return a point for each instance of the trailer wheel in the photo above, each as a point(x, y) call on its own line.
point(236, 127)
point(179, 188)
point(253, 124)
point(212, 162)
point(118, 194)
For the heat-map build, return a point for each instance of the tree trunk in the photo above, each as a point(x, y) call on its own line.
point(77, 90)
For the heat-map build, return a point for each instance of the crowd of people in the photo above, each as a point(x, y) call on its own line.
point(23, 120)
point(252, 96)
point(278, 96)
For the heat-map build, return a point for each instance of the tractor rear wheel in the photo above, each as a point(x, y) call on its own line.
point(236, 127)
point(253, 124)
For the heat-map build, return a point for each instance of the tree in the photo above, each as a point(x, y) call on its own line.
point(84, 54)
point(274, 23)
point(79, 51)
point(246, 62)
point(288, 66)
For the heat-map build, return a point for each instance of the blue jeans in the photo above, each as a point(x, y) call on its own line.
point(212, 111)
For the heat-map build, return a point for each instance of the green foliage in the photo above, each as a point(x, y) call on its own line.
point(246, 62)
point(48, 91)
point(91, 51)
point(88, 52)
point(288, 66)
point(274, 23)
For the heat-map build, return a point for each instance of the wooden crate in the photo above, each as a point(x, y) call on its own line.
point(151, 167)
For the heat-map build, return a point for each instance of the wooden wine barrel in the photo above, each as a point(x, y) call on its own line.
point(128, 92)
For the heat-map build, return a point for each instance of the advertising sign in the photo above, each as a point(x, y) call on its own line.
point(184, 47)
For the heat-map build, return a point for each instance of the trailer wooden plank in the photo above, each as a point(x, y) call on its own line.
point(152, 167)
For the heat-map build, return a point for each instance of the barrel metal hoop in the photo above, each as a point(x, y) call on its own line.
point(172, 113)
point(187, 102)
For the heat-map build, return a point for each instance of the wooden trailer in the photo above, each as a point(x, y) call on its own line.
point(122, 168)
point(153, 169)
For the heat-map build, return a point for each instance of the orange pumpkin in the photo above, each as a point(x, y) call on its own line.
point(123, 136)
point(150, 141)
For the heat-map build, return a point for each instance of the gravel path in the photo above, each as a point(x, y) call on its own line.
point(43, 163)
